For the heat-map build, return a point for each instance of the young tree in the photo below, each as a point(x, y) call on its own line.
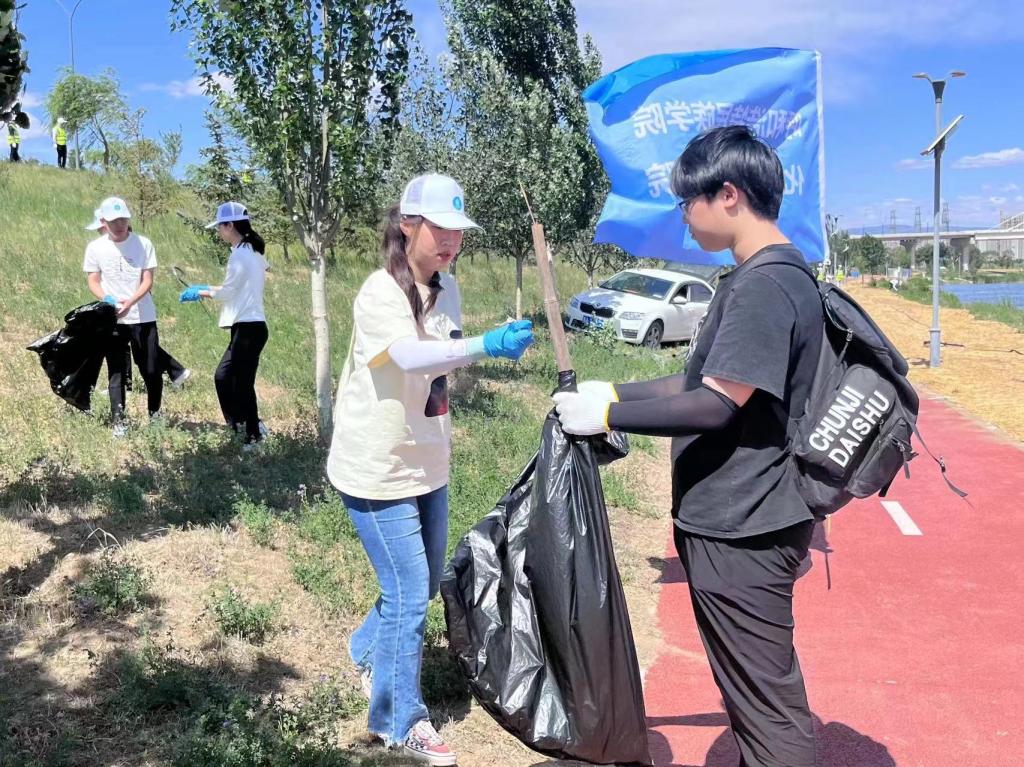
point(314, 91)
point(147, 166)
point(90, 104)
point(518, 74)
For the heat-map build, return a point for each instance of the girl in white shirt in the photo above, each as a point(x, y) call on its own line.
point(390, 452)
point(242, 313)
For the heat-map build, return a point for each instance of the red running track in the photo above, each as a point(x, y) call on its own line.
point(915, 657)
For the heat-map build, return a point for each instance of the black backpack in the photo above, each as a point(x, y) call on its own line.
point(854, 435)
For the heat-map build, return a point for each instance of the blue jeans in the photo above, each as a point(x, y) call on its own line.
point(405, 540)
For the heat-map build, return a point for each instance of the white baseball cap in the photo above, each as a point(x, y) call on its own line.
point(437, 198)
point(114, 208)
point(96, 223)
point(230, 211)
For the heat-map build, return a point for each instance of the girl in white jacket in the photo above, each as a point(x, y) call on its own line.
point(242, 313)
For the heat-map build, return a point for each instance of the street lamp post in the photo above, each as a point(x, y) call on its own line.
point(71, 39)
point(938, 87)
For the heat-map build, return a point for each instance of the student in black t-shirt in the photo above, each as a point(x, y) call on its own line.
point(741, 527)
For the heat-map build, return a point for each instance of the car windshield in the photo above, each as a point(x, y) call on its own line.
point(638, 284)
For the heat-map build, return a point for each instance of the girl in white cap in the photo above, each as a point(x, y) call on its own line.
point(176, 372)
point(242, 313)
point(390, 453)
point(120, 268)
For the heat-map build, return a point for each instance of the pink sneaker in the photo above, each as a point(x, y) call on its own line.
point(426, 745)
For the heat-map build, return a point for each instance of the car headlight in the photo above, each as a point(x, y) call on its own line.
point(574, 302)
point(631, 316)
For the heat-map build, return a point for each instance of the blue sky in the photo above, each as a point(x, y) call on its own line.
point(877, 118)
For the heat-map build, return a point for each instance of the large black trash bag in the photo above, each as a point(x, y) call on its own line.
point(73, 355)
point(536, 614)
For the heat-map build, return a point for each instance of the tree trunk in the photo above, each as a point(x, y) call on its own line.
point(519, 285)
point(284, 247)
point(318, 281)
point(590, 278)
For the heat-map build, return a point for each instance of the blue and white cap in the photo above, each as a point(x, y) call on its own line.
point(114, 208)
point(437, 198)
point(229, 211)
point(96, 223)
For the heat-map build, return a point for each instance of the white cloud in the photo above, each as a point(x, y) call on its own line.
point(1014, 156)
point(38, 130)
point(914, 163)
point(31, 100)
point(182, 89)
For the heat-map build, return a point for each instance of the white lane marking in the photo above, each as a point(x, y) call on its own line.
point(901, 518)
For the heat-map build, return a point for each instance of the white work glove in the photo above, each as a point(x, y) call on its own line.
point(581, 414)
point(599, 389)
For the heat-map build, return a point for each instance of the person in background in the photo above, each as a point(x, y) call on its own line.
point(176, 373)
point(14, 142)
point(242, 314)
point(60, 142)
point(120, 268)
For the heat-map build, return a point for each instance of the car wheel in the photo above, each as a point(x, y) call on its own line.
point(652, 339)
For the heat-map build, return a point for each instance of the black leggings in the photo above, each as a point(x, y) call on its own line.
point(62, 156)
point(144, 342)
point(236, 377)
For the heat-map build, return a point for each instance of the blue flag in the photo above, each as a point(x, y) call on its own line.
point(643, 115)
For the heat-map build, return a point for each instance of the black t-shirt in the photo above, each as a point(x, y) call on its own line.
point(764, 329)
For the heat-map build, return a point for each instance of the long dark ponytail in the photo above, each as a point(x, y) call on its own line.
point(250, 236)
point(394, 247)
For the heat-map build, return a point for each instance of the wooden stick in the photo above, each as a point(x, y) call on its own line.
point(547, 281)
point(551, 307)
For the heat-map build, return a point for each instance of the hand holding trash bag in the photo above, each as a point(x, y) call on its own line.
point(582, 414)
point(191, 293)
point(599, 389)
point(510, 340)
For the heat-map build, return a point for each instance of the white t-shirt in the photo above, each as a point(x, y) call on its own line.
point(392, 432)
point(242, 291)
point(120, 265)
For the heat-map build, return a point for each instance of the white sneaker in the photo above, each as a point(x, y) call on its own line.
point(179, 382)
point(156, 419)
point(256, 446)
point(427, 746)
point(264, 431)
point(366, 682)
point(120, 430)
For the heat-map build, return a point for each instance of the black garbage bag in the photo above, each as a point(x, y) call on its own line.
point(536, 614)
point(73, 355)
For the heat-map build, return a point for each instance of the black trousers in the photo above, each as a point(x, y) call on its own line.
point(144, 341)
point(742, 594)
point(15, 157)
point(62, 156)
point(236, 377)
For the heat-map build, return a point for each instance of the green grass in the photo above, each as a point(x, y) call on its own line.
point(190, 472)
point(235, 616)
point(113, 586)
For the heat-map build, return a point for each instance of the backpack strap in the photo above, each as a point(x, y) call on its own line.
point(940, 462)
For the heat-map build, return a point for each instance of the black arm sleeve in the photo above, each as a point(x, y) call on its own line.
point(659, 387)
point(691, 412)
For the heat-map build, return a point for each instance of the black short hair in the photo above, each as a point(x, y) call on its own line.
point(731, 154)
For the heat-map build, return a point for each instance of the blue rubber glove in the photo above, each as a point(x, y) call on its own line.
point(191, 293)
point(109, 299)
point(509, 340)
